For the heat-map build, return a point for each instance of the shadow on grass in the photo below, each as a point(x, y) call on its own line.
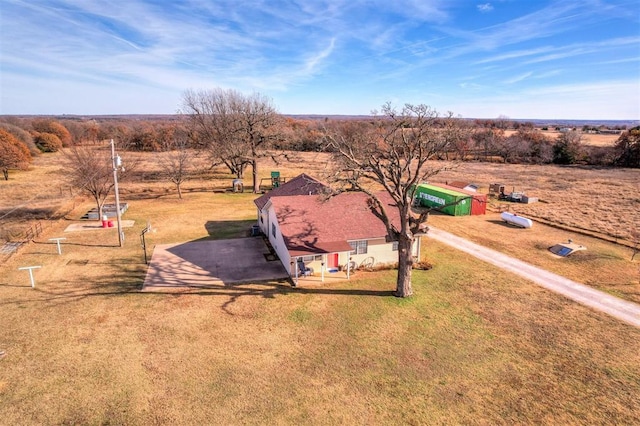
point(505, 224)
point(224, 229)
point(230, 268)
point(126, 285)
point(120, 281)
point(155, 195)
point(64, 243)
point(13, 285)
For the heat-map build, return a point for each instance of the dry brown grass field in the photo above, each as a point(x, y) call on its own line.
point(475, 345)
point(587, 138)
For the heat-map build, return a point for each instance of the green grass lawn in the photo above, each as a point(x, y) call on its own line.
point(474, 345)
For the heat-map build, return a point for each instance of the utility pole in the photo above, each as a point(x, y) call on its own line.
point(117, 163)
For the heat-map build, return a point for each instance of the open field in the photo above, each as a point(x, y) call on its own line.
point(602, 202)
point(475, 345)
point(587, 138)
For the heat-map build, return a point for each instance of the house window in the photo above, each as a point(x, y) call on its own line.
point(359, 247)
point(307, 258)
point(273, 229)
point(311, 258)
point(394, 246)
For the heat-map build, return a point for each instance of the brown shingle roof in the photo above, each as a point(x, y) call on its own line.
point(300, 185)
point(310, 224)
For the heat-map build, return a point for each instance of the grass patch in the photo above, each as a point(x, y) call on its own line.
point(474, 345)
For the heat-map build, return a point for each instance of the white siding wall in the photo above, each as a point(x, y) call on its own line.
point(416, 247)
point(379, 252)
point(263, 220)
point(277, 242)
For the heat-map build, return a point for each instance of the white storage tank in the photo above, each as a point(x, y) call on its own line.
point(516, 220)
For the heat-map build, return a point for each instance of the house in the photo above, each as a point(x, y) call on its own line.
point(323, 235)
point(300, 185)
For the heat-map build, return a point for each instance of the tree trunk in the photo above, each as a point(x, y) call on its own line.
point(405, 266)
point(5, 172)
point(179, 191)
point(256, 181)
point(100, 205)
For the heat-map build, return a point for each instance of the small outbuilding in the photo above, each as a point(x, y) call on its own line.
point(478, 200)
point(448, 201)
point(464, 185)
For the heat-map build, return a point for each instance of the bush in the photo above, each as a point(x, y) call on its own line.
point(628, 148)
point(47, 142)
point(13, 154)
point(54, 128)
point(22, 135)
point(423, 265)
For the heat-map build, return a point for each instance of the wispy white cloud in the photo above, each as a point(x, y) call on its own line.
point(518, 78)
point(313, 62)
point(485, 7)
point(376, 48)
point(470, 86)
point(547, 74)
point(516, 54)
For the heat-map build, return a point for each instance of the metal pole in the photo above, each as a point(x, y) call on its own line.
point(144, 243)
point(57, 240)
point(115, 187)
point(30, 269)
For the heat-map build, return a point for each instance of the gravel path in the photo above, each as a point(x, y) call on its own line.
point(623, 310)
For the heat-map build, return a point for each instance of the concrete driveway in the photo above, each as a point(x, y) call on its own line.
point(211, 264)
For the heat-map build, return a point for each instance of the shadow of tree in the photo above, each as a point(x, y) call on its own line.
point(125, 282)
point(225, 229)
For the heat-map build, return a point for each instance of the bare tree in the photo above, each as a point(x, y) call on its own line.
point(487, 140)
point(177, 160)
point(394, 152)
point(236, 129)
point(90, 169)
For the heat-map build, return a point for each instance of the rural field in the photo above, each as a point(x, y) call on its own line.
point(475, 345)
point(592, 139)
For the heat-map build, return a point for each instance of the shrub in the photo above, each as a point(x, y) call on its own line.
point(22, 135)
point(47, 142)
point(13, 154)
point(54, 128)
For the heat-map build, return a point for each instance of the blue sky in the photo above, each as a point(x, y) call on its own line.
point(518, 58)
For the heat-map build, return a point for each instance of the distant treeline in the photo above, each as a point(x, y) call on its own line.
point(497, 140)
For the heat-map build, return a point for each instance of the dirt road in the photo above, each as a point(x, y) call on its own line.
point(623, 310)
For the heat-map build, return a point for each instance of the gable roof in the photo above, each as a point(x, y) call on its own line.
point(462, 185)
point(311, 225)
point(302, 184)
point(450, 187)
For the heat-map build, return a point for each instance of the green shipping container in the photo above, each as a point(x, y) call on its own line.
point(457, 204)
